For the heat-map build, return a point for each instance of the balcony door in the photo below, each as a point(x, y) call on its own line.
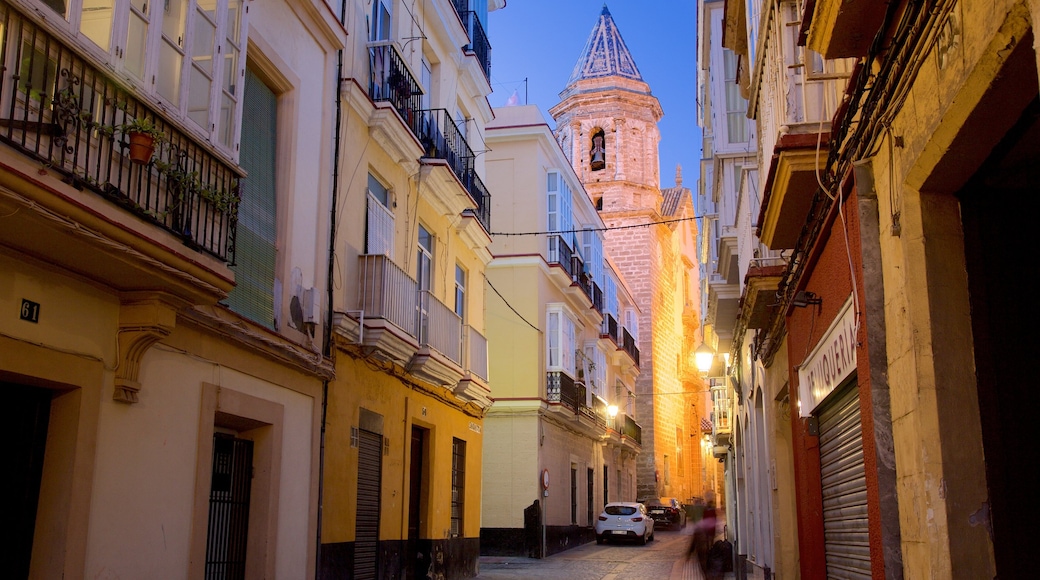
point(423, 277)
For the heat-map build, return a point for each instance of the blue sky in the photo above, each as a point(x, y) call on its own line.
point(540, 40)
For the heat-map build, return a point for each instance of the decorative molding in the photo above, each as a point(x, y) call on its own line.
point(144, 319)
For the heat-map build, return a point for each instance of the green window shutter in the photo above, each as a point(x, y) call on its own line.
point(253, 295)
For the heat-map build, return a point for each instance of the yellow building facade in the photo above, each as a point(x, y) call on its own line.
point(554, 453)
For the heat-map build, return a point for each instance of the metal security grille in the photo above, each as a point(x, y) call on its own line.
point(845, 525)
point(366, 527)
point(229, 508)
point(458, 484)
point(588, 496)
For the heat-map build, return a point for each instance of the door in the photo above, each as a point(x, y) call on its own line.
point(25, 427)
point(230, 488)
point(366, 526)
point(846, 535)
point(416, 500)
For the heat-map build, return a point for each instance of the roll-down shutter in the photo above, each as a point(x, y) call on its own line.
point(366, 527)
point(846, 532)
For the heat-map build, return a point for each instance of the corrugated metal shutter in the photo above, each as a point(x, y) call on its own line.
point(845, 525)
point(366, 527)
point(256, 237)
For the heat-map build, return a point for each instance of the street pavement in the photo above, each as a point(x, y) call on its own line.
point(663, 558)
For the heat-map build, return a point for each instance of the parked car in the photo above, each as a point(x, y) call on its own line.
point(666, 511)
point(624, 521)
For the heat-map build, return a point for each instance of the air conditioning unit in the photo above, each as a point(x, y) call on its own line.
point(311, 305)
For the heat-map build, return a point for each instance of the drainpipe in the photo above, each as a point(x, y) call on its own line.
point(327, 339)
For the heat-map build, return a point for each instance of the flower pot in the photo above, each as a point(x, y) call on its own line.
point(142, 146)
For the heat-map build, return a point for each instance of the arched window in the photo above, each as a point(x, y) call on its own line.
point(598, 151)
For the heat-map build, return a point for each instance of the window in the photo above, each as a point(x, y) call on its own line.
point(460, 292)
point(256, 237)
point(379, 26)
point(588, 496)
point(559, 217)
point(736, 105)
point(632, 323)
point(186, 52)
point(458, 485)
point(424, 260)
point(560, 340)
point(592, 252)
point(574, 494)
point(606, 485)
point(379, 234)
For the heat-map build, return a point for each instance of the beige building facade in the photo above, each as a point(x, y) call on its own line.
point(561, 438)
point(161, 342)
point(606, 123)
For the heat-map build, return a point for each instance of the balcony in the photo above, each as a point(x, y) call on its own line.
point(560, 388)
point(442, 140)
point(478, 42)
point(401, 324)
point(628, 344)
point(632, 430)
point(611, 329)
point(72, 121)
point(390, 81)
point(560, 254)
point(802, 93)
point(722, 425)
point(759, 298)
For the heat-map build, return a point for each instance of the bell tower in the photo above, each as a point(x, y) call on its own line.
point(606, 123)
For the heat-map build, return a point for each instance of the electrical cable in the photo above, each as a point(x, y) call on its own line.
point(603, 229)
point(510, 305)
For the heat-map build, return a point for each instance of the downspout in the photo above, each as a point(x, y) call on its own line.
point(326, 349)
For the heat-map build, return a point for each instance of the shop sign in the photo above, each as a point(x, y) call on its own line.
point(830, 363)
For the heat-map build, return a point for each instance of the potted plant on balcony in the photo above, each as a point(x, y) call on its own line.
point(142, 135)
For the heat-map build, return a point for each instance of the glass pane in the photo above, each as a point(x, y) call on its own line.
point(202, 47)
point(234, 11)
point(226, 127)
point(57, 6)
point(174, 18)
point(96, 22)
point(169, 78)
point(135, 45)
point(230, 70)
point(198, 98)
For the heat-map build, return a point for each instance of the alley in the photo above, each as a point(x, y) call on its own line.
point(661, 558)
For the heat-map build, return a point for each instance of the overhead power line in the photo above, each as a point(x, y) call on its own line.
point(603, 229)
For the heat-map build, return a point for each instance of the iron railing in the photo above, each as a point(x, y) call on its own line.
point(479, 194)
point(442, 139)
point(75, 120)
point(439, 327)
point(632, 430)
point(386, 291)
point(597, 297)
point(561, 388)
point(628, 344)
point(391, 81)
point(476, 352)
point(478, 42)
point(610, 328)
point(561, 254)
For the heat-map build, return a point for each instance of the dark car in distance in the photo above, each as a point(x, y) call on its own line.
point(666, 511)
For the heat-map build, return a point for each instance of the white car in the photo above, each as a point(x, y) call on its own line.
point(625, 520)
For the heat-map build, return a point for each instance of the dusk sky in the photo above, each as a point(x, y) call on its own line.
point(540, 40)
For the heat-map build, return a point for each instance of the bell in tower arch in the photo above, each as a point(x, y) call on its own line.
point(597, 155)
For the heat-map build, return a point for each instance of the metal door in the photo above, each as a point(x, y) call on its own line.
point(845, 524)
point(366, 526)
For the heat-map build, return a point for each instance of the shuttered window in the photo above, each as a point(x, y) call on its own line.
point(255, 254)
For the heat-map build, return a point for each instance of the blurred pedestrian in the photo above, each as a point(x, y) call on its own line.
point(703, 538)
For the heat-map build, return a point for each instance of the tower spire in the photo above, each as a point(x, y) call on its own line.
point(605, 53)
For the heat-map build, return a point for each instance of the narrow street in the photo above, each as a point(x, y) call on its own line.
point(661, 558)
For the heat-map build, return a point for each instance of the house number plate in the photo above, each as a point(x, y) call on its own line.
point(30, 310)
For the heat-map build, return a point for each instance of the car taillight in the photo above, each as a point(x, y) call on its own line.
point(603, 518)
point(639, 519)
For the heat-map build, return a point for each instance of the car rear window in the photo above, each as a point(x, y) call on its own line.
point(620, 510)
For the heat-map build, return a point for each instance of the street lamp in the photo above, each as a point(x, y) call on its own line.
point(612, 411)
point(703, 357)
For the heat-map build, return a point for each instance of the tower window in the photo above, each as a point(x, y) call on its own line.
point(598, 152)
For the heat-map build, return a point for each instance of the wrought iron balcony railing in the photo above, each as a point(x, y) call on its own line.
point(597, 297)
point(561, 388)
point(478, 42)
point(76, 121)
point(480, 196)
point(610, 328)
point(632, 430)
point(628, 344)
point(561, 254)
point(391, 81)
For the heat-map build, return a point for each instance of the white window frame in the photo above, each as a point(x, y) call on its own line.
point(227, 41)
point(560, 341)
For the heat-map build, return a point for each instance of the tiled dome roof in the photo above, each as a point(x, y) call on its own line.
point(605, 53)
